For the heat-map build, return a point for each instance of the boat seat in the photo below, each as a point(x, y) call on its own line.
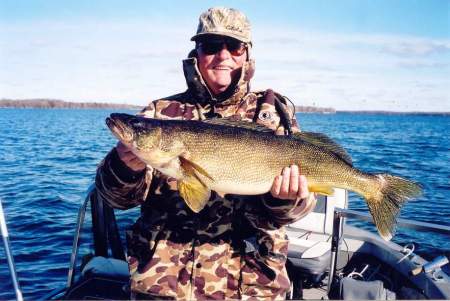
point(307, 257)
point(106, 267)
point(101, 279)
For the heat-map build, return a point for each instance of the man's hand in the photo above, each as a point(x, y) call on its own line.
point(130, 159)
point(290, 185)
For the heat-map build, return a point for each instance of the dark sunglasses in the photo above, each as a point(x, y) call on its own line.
point(213, 46)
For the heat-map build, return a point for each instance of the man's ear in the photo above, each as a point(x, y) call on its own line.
point(249, 52)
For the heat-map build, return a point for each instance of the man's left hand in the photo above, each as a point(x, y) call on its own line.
point(290, 185)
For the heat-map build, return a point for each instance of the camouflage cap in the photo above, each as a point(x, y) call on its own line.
point(226, 22)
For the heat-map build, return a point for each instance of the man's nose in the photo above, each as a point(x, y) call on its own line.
point(224, 53)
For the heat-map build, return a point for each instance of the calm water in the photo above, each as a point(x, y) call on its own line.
point(48, 159)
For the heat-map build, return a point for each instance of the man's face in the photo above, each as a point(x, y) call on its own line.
point(219, 60)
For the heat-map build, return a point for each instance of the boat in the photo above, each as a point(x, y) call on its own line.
point(328, 258)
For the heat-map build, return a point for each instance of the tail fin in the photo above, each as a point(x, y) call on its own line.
point(385, 205)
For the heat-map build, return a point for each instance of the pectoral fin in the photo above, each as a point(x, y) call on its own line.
point(192, 168)
point(192, 189)
point(194, 193)
point(321, 189)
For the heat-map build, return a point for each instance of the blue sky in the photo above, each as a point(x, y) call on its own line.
point(382, 55)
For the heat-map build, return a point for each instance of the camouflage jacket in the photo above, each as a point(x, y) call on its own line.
point(236, 246)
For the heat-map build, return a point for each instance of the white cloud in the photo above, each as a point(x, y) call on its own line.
point(139, 61)
point(355, 71)
point(417, 47)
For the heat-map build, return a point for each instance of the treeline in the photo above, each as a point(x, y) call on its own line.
point(60, 104)
point(310, 109)
point(380, 112)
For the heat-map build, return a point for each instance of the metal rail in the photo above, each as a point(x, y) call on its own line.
point(416, 225)
point(340, 213)
point(76, 238)
point(9, 256)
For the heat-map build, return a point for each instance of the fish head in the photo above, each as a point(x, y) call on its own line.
point(141, 134)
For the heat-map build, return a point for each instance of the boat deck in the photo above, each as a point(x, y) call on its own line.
point(315, 294)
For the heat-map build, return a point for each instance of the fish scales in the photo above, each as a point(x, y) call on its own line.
point(241, 158)
point(236, 157)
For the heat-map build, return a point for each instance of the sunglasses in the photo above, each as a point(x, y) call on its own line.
point(235, 47)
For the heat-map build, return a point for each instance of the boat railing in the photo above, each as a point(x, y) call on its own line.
point(101, 213)
point(340, 213)
point(76, 237)
point(104, 229)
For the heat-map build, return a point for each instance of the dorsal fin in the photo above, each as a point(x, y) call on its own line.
point(230, 121)
point(326, 143)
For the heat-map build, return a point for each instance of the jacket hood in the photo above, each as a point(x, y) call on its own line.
point(200, 91)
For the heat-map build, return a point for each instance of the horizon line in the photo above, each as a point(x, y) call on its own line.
point(117, 104)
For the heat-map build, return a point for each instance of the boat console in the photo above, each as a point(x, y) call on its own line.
point(309, 256)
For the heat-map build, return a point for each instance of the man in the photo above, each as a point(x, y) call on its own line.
point(236, 246)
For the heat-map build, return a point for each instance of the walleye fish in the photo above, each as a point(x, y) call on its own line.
point(244, 158)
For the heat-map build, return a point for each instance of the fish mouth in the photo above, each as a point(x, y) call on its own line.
point(119, 128)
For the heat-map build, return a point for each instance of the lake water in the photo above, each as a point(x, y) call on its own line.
point(48, 159)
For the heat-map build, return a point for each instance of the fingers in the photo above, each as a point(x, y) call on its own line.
point(293, 183)
point(290, 184)
point(276, 186)
point(303, 191)
point(284, 189)
point(129, 158)
point(125, 154)
point(123, 149)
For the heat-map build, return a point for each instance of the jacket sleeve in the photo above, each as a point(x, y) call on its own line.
point(284, 212)
point(117, 184)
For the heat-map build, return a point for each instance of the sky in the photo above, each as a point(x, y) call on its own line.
point(349, 55)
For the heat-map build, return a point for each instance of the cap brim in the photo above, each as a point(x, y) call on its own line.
point(226, 34)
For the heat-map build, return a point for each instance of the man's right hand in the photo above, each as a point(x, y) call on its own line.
point(130, 159)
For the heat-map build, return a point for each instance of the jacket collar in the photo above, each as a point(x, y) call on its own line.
point(200, 91)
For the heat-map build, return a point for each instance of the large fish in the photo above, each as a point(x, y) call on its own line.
point(244, 158)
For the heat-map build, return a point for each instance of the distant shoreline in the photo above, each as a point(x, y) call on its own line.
point(375, 112)
point(61, 104)
point(318, 110)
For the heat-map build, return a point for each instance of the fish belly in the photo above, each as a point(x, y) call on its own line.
point(233, 187)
